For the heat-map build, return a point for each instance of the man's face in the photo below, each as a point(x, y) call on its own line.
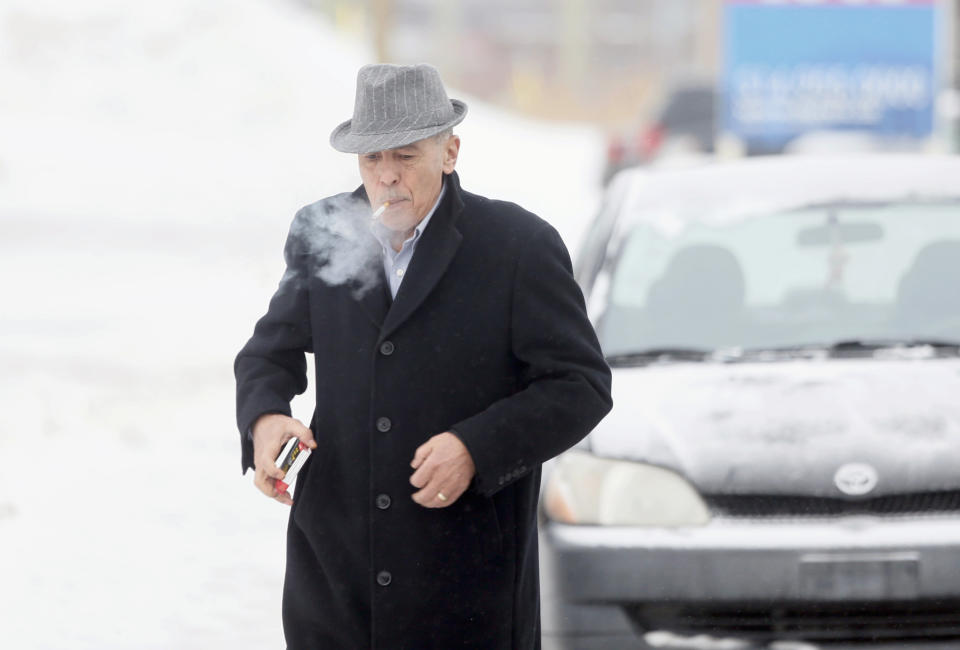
point(409, 178)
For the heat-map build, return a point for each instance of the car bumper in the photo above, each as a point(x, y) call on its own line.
point(728, 560)
point(736, 578)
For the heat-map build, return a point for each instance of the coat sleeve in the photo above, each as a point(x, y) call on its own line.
point(564, 380)
point(271, 368)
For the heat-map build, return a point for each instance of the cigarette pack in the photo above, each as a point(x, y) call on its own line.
point(290, 460)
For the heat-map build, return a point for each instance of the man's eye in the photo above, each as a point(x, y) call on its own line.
point(406, 156)
point(371, 156)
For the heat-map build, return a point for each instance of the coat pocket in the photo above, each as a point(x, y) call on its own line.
point(482, 521)
point(308, 488)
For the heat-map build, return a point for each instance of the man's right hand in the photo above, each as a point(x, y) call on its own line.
point(270, 433)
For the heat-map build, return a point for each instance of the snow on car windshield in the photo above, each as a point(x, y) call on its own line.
point(812, 275)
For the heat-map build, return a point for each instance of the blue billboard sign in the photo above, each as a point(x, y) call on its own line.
point(791, 67)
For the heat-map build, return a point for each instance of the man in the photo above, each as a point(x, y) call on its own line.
point(439, 392)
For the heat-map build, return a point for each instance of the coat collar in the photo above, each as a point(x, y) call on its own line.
point(437, 246)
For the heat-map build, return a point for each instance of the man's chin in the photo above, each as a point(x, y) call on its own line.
point(398, 222)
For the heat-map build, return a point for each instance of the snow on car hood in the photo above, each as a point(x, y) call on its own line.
point(787, 427)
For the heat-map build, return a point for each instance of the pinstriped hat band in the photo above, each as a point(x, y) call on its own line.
point(396, 105)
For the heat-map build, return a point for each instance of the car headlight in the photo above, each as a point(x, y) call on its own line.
point(585, 489)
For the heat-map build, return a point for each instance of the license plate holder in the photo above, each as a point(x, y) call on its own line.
point(851, 576)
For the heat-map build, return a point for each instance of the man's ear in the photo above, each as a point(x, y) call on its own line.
point(450, 152)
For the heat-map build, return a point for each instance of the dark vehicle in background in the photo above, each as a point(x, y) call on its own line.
point(782, 461)
point(686, 122)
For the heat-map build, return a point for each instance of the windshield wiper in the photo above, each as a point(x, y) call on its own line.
point(852, 347)
point(647, 355)
point(855, 346)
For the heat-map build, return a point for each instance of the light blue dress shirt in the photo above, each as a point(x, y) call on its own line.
point(395, 263)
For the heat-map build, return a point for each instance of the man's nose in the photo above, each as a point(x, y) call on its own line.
point(389, 174)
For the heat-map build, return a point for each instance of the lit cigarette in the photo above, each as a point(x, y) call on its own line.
point(380, 210)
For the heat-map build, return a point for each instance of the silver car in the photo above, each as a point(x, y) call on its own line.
point(783, 457)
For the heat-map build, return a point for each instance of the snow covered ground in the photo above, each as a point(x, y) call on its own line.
point(151, 158)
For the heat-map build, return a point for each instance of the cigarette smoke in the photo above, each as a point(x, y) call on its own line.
point(335, 235)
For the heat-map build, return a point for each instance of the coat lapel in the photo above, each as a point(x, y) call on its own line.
point(435, 250)
point(375, 301)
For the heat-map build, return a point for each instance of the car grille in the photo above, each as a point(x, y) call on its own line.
point(939, 620)
point(759, 506)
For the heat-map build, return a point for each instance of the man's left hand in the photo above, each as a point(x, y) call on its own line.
point(444, 470)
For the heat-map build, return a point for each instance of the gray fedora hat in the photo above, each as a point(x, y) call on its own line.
point(396, 105)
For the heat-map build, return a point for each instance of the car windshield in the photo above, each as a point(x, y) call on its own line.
point(804, 277)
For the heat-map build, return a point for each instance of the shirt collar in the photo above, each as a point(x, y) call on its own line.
point(382, 233)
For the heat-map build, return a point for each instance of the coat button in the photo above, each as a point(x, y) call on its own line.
point(387, 348)
point(384, 424)
point(383, 501)
point(384, 578)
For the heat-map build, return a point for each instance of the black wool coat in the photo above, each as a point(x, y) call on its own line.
point(488, 338)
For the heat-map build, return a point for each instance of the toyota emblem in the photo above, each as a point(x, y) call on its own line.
point(856, 479)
